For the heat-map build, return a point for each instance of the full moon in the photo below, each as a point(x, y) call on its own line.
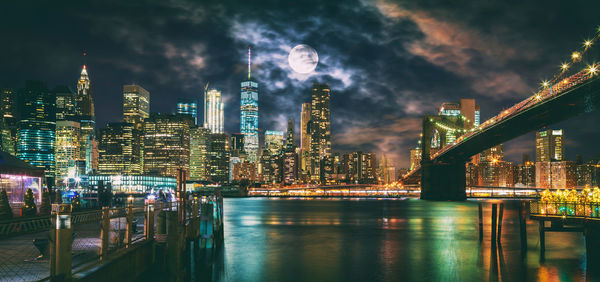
point(303, 59)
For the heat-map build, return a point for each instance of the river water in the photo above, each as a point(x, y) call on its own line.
point(385, 240)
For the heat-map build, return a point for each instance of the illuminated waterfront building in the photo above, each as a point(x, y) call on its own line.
point(305, 137)
point(360, 167)
point(270, 167)
point(8, 121)
point(290, 157)
point(237, 145)
point(218, 158)
point(136, 104)
point(120, 149)
point(67, 151)
point(84, 105)
point(134, 184)
point(549, 145)
point(36, 127)
point(493, 154)
point(550, 171)
point(188, 107)
point(555, 175)
point(249, 114)
point(166, 144)
point(199, 145)
point(526, 174)
point(274, 141)
point(213, 110)
point(245, 170)
point(66, 104)
point(320, 132)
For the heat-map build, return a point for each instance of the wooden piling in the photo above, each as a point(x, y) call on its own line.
point(542, 228)
point(494, 222)
point(500, 217)
point(523, 227)
point(480, 207)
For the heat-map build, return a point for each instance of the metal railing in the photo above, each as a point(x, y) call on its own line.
point(33, 249)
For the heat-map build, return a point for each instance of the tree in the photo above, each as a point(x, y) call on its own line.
point(5, 210)
point(57, 197)
point(29, 208)
point(45, 207)
point(75, 203)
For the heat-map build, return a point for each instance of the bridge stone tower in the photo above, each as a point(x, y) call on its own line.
point(441, 180)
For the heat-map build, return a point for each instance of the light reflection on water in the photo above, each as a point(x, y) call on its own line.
point(385, 240)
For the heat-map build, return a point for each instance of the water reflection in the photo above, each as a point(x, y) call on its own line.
point(374, 240)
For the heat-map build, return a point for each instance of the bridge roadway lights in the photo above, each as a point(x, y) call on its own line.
point(443, 181)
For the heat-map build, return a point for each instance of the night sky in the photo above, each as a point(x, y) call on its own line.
point(388, 63)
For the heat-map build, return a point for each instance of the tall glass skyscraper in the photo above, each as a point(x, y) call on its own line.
point(320, 131)
point(213, 110)
point(249, 114)
point(36, 127)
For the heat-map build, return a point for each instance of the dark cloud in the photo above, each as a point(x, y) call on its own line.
point(388, 62)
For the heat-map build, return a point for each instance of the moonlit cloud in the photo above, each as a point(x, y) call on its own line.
point(388, 62)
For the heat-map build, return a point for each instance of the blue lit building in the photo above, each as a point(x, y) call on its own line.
point(36, 108)
point(249, 114)
point(188, 107)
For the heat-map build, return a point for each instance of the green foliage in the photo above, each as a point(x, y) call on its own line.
point(45, 207)
point(5, 210)
point(29, 208)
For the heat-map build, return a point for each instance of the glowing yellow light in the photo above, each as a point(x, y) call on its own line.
point(592, 69)
point(545, 83)
point(564, 66)
point(587, 43)
point(575, 56)
point(537, 97)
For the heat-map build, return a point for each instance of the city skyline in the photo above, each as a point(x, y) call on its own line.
point(394, 129)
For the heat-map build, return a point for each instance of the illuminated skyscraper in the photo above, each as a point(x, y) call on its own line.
point(67, 147)
point(120, 149)
point(305, 137)
point(199, 145)
point(66, 104)
point(84, 105)
point(551, 171)
point(290, 158)
point(320, 131)
point(166, 140)
point(549, 145)
point(249, 114)
point(218, 158)
point(36, 127)
point(136, 103)
point(8, 121)
point(213, 110)
point(189, 108)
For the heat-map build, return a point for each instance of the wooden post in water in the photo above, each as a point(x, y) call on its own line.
point(500, 217)
point(523, 227)
point(542, 227)
point(480, 207)
point(494, 219)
